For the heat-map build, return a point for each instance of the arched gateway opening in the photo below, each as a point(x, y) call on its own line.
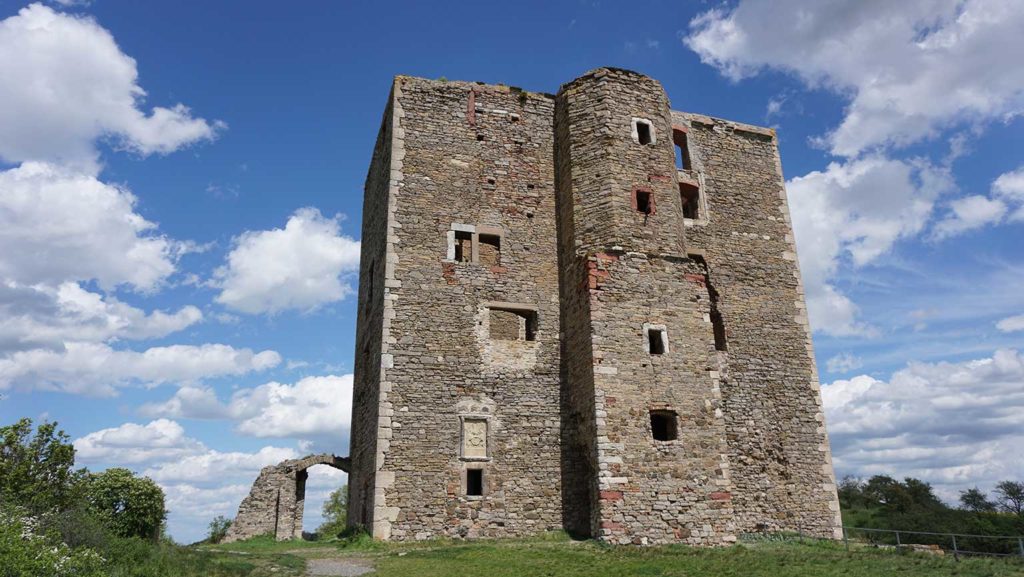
point(277, 499)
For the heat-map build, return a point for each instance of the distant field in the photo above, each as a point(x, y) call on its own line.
point(556, 555)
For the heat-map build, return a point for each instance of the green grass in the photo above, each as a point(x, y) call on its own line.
point(556, 555)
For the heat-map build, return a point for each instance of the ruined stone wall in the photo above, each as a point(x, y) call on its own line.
point(373, 264)
point(778, 447)
point(523, 247)
point(638, 278)
point(477, 162)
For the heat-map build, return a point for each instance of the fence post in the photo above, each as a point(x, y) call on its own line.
point(956, 553)
point(1020, 545)
point(846, 541)
point(898, 544)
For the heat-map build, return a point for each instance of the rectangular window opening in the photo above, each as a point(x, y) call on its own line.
point(664, 426)
point(719, 328)
point(513, 325)
point(682, 150)
point(643, 201)
point(656, 341)
point(643, 132)
point(689, 195)
point(489, 249)
point(463, 246)
point(474, 482)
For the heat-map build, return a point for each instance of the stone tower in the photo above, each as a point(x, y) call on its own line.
point(580, 311)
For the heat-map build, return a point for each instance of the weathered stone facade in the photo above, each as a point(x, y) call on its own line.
point(275, 504)
point(560, 328)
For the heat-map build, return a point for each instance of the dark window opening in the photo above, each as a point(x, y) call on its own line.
point(463, 246)
point(643, 201)
point(664, 426)
point(643, 132)
point(682, 150)
point(719, 328)
point(689, 195)
point(479, 137)
point(474, 482)
point(655, 341)
point(489, 249)
point(513, 325)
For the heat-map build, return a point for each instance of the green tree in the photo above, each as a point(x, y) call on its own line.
point(1011, 496)
point(335, 511)
point(37, 471)
point(219, 528)
point(130, 506)
point(976, 501)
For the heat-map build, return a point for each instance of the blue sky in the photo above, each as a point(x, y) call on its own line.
point(180, 194)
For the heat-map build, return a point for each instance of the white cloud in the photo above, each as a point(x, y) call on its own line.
point(910, 68)
point(97, 369)
point(843, 363)
point(1009, 187)
point(297, 267)
point(44, 317)
point(856, 210)
point(312, 407)
point(952, 424)
point(61, 226)
point(130, 443)
point(67, 84)
point(1011, 324)
point(969, 213)
point(212, 466)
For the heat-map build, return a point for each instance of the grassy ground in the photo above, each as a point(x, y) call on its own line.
point(558, 556)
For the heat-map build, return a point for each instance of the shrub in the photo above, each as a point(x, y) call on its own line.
point(130, 506)
point(219, 528)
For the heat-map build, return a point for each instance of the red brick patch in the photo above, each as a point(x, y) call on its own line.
point(720, 496)
point(611, 495)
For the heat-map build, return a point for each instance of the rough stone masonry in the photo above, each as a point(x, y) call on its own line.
point(581, 311)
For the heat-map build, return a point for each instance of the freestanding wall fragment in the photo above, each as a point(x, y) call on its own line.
point(581, 311)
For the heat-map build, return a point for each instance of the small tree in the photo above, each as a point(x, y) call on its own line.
point(975, 500)
point(130, 506)
point(37, 471)
point(219, 528)
point(335, 511)
point(1011, 496)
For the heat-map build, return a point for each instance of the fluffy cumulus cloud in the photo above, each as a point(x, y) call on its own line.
point(891, 58)
point(1011, 324)
point(855, 212)
point(1005, 203)
point(953, 424)
point(199, 482)
point(131, 443)
point(300, 266)
point(98, 369)
point(312, 407)
point(67, 84)
point(39, 316)
point(60, 226)
point(843, 363)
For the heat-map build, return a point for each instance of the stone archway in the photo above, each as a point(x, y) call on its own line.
point(276, 501)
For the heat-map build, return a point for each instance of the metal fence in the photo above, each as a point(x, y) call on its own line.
point(956, 543)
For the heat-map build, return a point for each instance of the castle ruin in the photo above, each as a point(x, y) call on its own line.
point(581, 311)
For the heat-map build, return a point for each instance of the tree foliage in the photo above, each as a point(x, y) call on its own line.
point(1011, 496)
point(335, 512)
point(975, 500)
point(131, 506)
point(37, 470)
point(218, 529)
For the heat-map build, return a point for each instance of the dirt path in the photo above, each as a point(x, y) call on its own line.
point(338, 567)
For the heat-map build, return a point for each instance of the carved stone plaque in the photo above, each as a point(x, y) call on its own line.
point(474, 438)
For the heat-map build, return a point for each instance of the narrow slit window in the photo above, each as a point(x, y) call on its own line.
point(489, 249)
point(474, 482)
point(719, 328)
point(656, 341)
point(643, 202)
point(644, 132)
point(689, 195)
point(682, 150)
point(664, 425)
point(463, 246)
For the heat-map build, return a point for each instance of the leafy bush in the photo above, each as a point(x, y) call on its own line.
point(335, 512)
point(25, 553)
point(37, 471)
point(130, 506)
point(219, 529)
